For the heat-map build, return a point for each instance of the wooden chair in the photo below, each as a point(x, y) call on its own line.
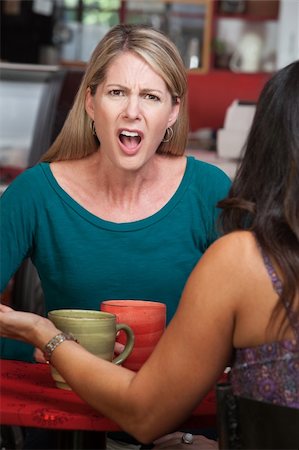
point(250, 424)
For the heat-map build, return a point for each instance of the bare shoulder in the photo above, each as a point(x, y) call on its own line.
point(70, 173)
point(61, 167)
point(62, 170)
point(235, 247)
point(237, 265)
point(233, 262)
point(175, 164)
point(240, 237)
point(231, 281)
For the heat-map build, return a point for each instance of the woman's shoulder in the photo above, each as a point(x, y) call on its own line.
point(236, 243)
point(207, 169)
point(28, 182)
point(31, 173)
point(208, 176)
point(232, 268)
point(236, 254)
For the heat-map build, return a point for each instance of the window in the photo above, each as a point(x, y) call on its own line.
point(186, 22)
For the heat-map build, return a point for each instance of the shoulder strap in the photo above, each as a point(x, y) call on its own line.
point(276, 282)
point(277, 285)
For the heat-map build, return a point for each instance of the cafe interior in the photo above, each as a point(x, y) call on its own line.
point(230, 49)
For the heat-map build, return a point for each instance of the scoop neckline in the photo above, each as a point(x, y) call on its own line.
point(123, 226)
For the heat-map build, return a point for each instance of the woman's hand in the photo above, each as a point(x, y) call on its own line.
point(118, 348)
point(174, 441)
point(25, 326)
point(39, 356)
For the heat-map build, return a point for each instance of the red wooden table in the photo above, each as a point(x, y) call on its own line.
point(30, 398)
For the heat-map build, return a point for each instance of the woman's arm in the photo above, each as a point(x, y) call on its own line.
point(186, 363)
point(18, 222)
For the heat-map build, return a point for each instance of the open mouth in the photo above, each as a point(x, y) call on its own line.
point(130, 139)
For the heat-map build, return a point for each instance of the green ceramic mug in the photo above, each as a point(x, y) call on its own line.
point(95, 330)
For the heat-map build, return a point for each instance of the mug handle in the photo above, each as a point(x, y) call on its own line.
point(129, 343)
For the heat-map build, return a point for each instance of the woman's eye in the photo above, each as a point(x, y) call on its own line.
point(116, 92)
point(152, 97)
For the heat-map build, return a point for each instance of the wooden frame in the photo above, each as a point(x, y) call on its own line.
point(207, 31)
point(204, 32)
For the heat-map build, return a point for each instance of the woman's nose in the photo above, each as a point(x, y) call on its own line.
point(132, 109)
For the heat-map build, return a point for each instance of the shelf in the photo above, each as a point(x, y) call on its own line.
point(257, 8)
point(245, 17)
point(236, 37)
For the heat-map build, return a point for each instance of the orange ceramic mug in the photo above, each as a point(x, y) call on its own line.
point(146, 318)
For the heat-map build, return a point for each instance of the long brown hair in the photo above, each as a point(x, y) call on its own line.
point(264, 196)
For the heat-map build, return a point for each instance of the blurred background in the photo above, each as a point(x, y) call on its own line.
point(230, 49)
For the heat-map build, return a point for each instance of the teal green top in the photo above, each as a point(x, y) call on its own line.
point(82, 259)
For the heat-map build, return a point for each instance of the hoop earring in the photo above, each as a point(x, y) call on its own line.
point(93, 128)
point(168, 135)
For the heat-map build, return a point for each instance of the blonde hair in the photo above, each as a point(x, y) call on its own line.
point(76, 139)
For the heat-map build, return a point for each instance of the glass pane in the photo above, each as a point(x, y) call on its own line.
point(71, 3)
point(87, 21)
point(182, 22)
point(105, 12)
point(153, 14)
point(186, 29)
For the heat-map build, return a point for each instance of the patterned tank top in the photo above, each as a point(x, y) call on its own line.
point(269, 372)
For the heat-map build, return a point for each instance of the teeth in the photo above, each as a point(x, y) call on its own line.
point(129, 133)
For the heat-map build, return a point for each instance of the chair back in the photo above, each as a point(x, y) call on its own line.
point(250, 424)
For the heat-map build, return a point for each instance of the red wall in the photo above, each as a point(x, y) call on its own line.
point(210, 94)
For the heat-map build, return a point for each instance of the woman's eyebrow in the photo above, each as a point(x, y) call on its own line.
point(144, 90)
